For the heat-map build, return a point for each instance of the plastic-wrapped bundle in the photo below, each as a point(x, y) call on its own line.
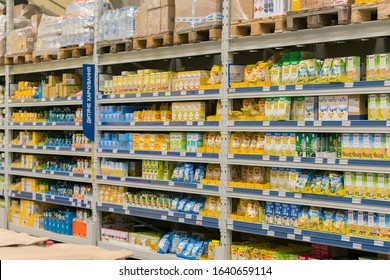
point(242, 10)
point(3, 20)
point(49, 32)
point(22, 41)
point(118, 24)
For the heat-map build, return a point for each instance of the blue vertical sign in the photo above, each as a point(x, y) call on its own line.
point(89, 101)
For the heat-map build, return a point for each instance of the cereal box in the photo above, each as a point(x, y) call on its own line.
point(294, 214)
point(349, 186)
point(323, 108)
point(342, 108)
point(355, 143)
point(378, 151)
point(352, 69)
point(371, 186)
point(382, 183)
point(362, 222)
point(374, 105)
point(360, 184)
point(387, 146)
point(384, 226)
point(286, 215)
point(352, 225)
point(366, 142)
point(372, 67)
point(384, 109)
point(373, 225)
point(384, 66)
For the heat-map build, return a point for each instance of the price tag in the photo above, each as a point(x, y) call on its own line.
point(99, 204)
point(266, 88)
point(34, 123)
point(232, 90)
point(164, 153)
point(331, 161)
point(43, 171)
point(163, 217)
point(44, 123)
point(53, 123)
point(283, 158)
point(71, 174)
point(379, 243)
point(34, 196)
point(51, 172)
point(230, 156)
point(348, 85)
point(115, 151)
point(346, 123)
point(266, 158)
point(356, 200)
point(104, 177)
point(182, 154)
point(166, 123)
point(291, 236)
point(297, 159)
point(127, 212)
point(345, 238)
point(297, 231)
point(317, 123)
point(52, 197)
point(171, 183)
point(190, 123)
point(181, 220)
point(138, 95)
point(24, 146)
point(199, 218)
point(77, 124)
point(100, 150)
point(123, 179)
point(44, 147)
point(112, 96)
point(229, 189)
point(299, 87)
point(270, 233)
point(386, 83)
point(199, 223)
point(122, 96)
point(265, 227)
point(34, 171)
point(357, 246)
point(282, 194)
point(301, 123)
point(200, 123)
point(201, 92)
point(57, 148)
point(343, 161)
point(188, 216)
point(199, 155)
point(297, 195)
point(266, 123)
point(183, 92)
point(230, 123)
point(86, 150)
point(132, 123)
point(266, 192)
point(43, 197)
point(86, 176)
point(168, 93)
point(306, 238)
point(282, 88)
point(132, 152)
point(199, 186)
point(111, 209)
point(388, 123)
point(171, 213)
point(319, 160)
point(155, 94)
point(73, 204)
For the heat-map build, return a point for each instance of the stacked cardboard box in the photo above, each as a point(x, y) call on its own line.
point(65, 86)
point(242, 10)
point(197, 15)
point(155, 17)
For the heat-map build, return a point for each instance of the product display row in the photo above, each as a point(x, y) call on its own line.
point(59, 114)
point(67, 139)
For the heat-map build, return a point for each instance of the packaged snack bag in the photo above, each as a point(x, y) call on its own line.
point(336, 187)
point(357, 150)
point(301, 144)
point(248, 72)
point(263, 73)
point(277, 144)
point(255, 254)
point(245, 143)
point(211, 249)
point(269, 144)
point(325, 74)
point(276, 74)
point(286, 73)
point(244, 253)
point(235, 141)
point(315, 185)
point(274, 179)
point(215, 75)
point(384, 106)
point(338, 71)
point(328, 219)
point(302, 72)
point(366, 141)
point(303, 217)
point(164, 243)
point(269, 212)
point(387, 146)
point(252, 211)
point(340, 222)
point(313, 70)
point(294, 72)
point(315, 218)
point(270, 111)
point(303, 182)
point(294, 215)
point(345, 144)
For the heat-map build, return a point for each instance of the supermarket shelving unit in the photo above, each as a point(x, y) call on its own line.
point(227, 48)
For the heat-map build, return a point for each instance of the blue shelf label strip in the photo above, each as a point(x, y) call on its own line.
point(352, 123)
point(164, 124)
point(160, 94)
point(159, 153)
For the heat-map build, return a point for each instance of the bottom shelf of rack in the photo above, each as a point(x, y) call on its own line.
point(52, 235)
point(139, 253)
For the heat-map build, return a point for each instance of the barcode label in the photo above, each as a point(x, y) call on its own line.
point(345, 238)
point(266, 192)
point(265, 227)
point(299, 87)
point(270, 233)
point(291, 236)
point(306, 238)
point(297, 231)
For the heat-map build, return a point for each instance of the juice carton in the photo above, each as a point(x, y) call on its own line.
point(372, 67)
point(349, 186)
point(278, 149)
point(382, 183)
point(378, 151)
point(373, 225)
point(312, 144)
point(387, 146)
point(269, 109)
point(332, 108)
point(301, 144)
point(292, 144)
point(323, 108)
point(360, 180)
point(355, 143)
point(362, 222)
point(284, 109)
point(274, 179)
point(298, 109)
point(371, 185)
point(342, 108)
point(352, 69)
point(281, 181)
point(278, 220)
point(384, 66)
point(374, 105)
point(384, 113)
point(384, 226)
point(269, 212)
point(286, 73)
point(285, 144)
point(311, 108)
point(286, 215)
point(293, 175)
point(331, 145)
point(269, 144)
point(366, 141)
point(352, 225)
point(294, 214)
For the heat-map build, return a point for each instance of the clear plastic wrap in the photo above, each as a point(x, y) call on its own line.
point(3, 20)
point(117, 24)
point(242, 10)
point(49, 34)
point(22, 41)
point(299, 5)
point(197, 15)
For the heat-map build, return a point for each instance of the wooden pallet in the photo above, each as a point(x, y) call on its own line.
point(123, 45)
point(2, 60)
point(196, 36)
point(15, 59)
point(370, 11)
point(44, 58)
point(319, 17)
point(155, 41)
point(75, 51)
point(262, 26)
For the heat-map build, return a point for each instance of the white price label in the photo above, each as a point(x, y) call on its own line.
point(104, 177)
point(86, 150)
point(388, 123)
point(270, 233)
point(348, 85)
point(122, 96)
point(297, 231)
point(34, 171)
point(346, 123)
point(181, 220)
point(306, 238)
point(319, 160)
point(230, 123)
point(183, 92)
point(171, 213)
point(199, 218)
point(53, 123)
point(21, 124)
point(34, 196)
point(266, 192)
point(356, 200)
point(299, 87)
point(229, 189)
point(44, 147)
point(155, 94)
point(331, 161)
point(282, 158)
point(301, 123)
point(132, 123)
point(291, 236)
point(43, 197)
point(164, 153)
point(166, 123)
point(182, 154)
point(132, 152)
point(343, 161)
point(34, 123)
point(201, 92)
point(57, 148)
point(138, 95)
point(297, 195)
point(43, 171)
point(100, 150)
point(387, 83)
point(123, 179)
point(188, 216)
point(44, 123)
point(199, 186)
point(345, 238)
point(73, 204)
point(52, 197)
point(24, 146)
point(168, 93)
point(199, 223)
point(190, 123)
point(71, 174)
point(266, 158)
point(115, 151)
point(112, 96)
point(282, 88)
point(266, 88)
point(265, 227)
point(171, 184)
point(357, 246)
point(111, 209)
point(22, 101)
point(199, 155)
point(379, 243)
point(163, 217)
point(127, 212)
point(232, 90)
point(317, 123)
point(297, 159)
point(266, 123)
point(99, 204)
point(282, 194)
point(230, 156)
point(86, 176)
point(200, 123)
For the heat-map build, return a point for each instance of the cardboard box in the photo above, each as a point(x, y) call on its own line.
point(153, 26)
point(71, 79)
point(53, 92)
point(53, 80)
point(167, 19)
point(46, 91)
point(36, 20)
point(242, 10)
point(68, 90)
point(141, 21)
point(357, 107)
